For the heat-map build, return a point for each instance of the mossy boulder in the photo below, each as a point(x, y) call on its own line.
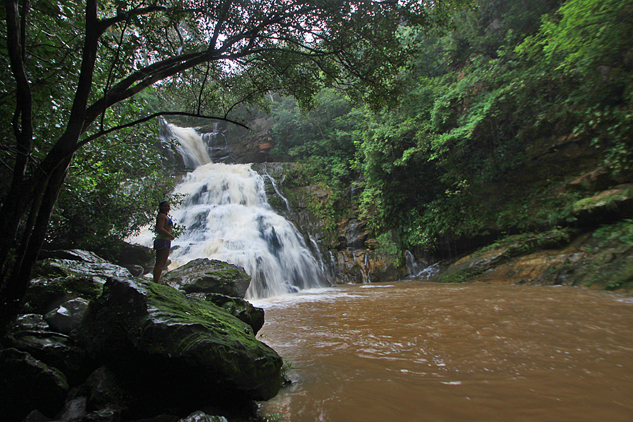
point(239, 308)
point(209, 276)
point(605, 207)
point(170, 348)
point(63, 275)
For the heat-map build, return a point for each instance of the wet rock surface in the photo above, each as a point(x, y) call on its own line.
point(209, 276)
point(96, 346)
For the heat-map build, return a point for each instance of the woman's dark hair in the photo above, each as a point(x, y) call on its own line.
point(161, 203)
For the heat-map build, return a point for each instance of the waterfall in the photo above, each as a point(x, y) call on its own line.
point(414, 269)
point(276, 189)
point(190, 146)
point(226, 216)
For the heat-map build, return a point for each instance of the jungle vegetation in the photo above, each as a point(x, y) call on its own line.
point(476, 146)
point(434, 122)
point(87, 74)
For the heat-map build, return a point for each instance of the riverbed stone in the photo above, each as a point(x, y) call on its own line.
point(209, 276)
point(169, 348)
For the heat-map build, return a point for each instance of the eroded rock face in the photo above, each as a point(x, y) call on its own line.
point(209, 276)
point(167, 347)
point(551, 258)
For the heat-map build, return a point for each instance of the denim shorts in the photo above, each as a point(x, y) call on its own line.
point(162, 244)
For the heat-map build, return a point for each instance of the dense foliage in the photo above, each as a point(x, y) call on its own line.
point(76, 72)
point(470, 149)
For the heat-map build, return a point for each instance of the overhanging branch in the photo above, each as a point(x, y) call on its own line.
point(152, 116)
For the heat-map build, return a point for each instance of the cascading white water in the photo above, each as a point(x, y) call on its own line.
point(193, 151)
point(227, 217)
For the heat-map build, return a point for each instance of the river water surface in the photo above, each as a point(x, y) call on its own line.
point(414, 351)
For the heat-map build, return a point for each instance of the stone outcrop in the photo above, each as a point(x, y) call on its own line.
point(605, 207)
point(95, 346)
point(601, 258)
point(149, 332)
point(209, 276)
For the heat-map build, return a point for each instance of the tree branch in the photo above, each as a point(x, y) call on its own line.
point(126, 16)
point(152, 116)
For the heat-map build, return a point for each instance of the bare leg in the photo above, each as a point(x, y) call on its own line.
point(161, 260)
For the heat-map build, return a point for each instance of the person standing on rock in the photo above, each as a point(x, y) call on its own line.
point(162, 243)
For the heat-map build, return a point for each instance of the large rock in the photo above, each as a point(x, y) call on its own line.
point(45, 294)
point(67, 316)
point(170, 348)
point(209, 276)
point(239, 308)
point(64, 263)
point(27, 384)
point(31, 334)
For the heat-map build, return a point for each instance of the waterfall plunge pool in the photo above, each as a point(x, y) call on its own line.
point(417, 352)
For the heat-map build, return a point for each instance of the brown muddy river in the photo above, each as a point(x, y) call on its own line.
point(418, 352)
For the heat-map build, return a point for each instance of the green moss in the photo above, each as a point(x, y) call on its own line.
point(621, 231)
point(602, 200)
point(188, 310)
point(524, 243)
point(459, 276)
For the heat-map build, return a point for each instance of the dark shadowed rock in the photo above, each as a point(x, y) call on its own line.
point(46, 294)
point(200, 416)
point(169, 348)
point(27, 384)
point(67, 316)
point(132, 256)
point(209, 276)
point(105, 392)
point(239, 308)
point(36, 416)
point(31, 334)
point(75, 262)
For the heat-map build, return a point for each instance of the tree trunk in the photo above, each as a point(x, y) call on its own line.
point(40, 191)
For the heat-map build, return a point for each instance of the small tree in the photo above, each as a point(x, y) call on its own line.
point(66, 65)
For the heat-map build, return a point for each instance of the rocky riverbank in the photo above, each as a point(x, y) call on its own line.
point(96, 343)
point(599, 259)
